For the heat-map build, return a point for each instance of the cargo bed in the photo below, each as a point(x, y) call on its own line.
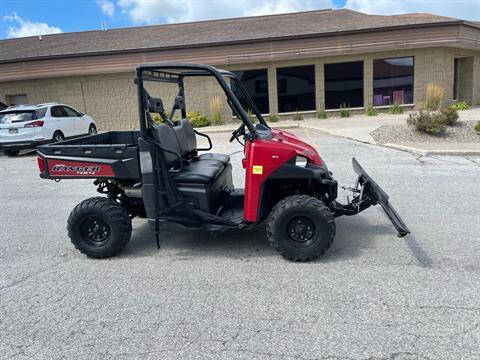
point(111, 154)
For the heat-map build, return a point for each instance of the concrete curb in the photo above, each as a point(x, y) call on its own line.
point(424, 152)
point(410, 149)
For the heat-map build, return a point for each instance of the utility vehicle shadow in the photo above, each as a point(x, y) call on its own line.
point(186, 244)
point(354, 236)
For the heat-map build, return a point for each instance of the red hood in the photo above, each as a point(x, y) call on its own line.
point(300, 147)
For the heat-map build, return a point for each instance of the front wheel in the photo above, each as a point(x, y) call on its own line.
point(301, 228)
point(99, 227)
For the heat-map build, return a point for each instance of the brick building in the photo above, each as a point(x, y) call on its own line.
point(291, 62)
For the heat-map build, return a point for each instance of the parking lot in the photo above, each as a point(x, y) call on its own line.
point(372, 296)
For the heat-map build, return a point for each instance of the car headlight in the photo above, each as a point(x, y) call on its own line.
point(301, 161)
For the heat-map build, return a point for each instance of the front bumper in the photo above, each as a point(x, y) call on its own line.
point(22, 145)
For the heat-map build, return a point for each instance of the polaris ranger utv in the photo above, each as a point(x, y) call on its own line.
point(160, 173)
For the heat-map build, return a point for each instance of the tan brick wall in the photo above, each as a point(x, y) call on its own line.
point(112, 101)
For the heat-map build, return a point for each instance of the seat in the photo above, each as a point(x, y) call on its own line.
point(223, 158)
point(199, 172)
point(188, 144)
point(193, 172)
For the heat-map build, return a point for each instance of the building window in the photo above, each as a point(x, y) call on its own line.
point(344, 84)
point(296, 88)
point(13, 100)
point(393, 81)
point(256, 83)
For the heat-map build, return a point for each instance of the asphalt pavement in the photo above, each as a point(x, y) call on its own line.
point(231, 296)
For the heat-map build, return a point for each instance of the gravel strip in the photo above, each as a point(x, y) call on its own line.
point(462, 132)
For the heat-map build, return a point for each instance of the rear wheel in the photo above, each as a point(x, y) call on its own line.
point(301, 228)
point(11, 152)
point(92, 129)
point(99, 227)
point(58, 137)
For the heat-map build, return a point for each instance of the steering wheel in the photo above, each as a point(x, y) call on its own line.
point(238, 132)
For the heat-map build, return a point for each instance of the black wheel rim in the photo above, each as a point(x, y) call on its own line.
point(95, 231)
point(92, 130)
point(58, 138)
point(301, 230)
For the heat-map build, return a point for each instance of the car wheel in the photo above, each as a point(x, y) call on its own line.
point(11, 152)
point(92, 129)
point(58, 137)
point(99, 227)
point(301, 228)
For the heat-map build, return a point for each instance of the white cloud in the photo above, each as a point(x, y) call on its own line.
point(172, 11)
point(462, 9)
point(28, 28)
point(107, 7)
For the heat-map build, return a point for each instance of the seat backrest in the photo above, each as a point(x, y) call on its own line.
point(165, 135)
point(186, 137)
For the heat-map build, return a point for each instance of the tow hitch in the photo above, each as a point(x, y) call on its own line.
point(365, 194)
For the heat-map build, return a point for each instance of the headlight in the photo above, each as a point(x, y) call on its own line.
point(301, 161)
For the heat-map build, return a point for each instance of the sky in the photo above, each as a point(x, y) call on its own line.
point(39, 17)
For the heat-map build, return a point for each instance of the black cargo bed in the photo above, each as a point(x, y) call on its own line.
point(117, 149)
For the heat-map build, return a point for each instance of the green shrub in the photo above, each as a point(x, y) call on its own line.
point(450, 116)
point(434, 97)
point(297, 116)
point(197, 119)
point(157, 119)
point(477, 127)
point(217, 118)
point(344, 111)
point(459, 105)
point(427, 121)
point(322, 114)
point(395, 109)
point(273, 118)
point(371, 111)
point(216, 106)
point(250, 115)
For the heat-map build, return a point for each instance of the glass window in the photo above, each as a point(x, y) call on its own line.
point(58, 111)
point(393, 81)
point(40, 113)
point(343, 84)
point(256, 83)
point(71, 112)
point(296, 88)
point(10, 117)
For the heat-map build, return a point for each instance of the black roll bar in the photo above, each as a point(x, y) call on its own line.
point(155, 74)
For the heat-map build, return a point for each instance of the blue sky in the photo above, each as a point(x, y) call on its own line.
point(35, 17)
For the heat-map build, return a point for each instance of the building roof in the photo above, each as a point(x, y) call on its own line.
point(204, 33)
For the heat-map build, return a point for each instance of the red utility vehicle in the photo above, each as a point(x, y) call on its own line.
point(160, 173)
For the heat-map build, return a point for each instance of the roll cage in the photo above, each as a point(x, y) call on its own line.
point(175, 72)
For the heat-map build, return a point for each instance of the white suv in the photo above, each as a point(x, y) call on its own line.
point(27, 126)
